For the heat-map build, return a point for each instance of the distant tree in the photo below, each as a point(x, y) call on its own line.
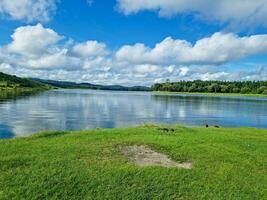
point(224, 88)
point(261, 89)
point(156, 87)
point(192, 88)
point(213, 86)
point(236, 90)
point(245, 90)
point(185, 89)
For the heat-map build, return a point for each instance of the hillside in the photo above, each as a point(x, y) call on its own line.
point(73, 85)
point(9, 82)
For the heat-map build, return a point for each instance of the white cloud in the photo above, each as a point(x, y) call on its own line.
point(90, 49)
point(97, 63)
point(217, 49)
point(32, 41)
point(38, 47)
point(28, 10)
point(57, 60)
point(184, 71)
point(37, 51)
point(238, 12)
point(213, 76)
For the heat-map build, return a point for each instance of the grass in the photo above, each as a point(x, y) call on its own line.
point(213, 94)
point(13, 92)
point(228, 164)
point(18, 93)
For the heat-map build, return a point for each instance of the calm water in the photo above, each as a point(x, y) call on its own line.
point(86, 109)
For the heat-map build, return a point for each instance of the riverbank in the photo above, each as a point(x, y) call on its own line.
point(21, 89)
point(226, 163)
point(7, 94)
point(212, 94)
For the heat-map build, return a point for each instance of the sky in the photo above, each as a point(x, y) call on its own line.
point(138, 42)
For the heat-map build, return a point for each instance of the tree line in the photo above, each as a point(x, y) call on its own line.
point(244, 87)
point(10, 81)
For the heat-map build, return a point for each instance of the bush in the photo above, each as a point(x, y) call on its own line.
point(245, 90)
point(261, 89)
point(236, 90)
point(193, 88)
point(224, 89)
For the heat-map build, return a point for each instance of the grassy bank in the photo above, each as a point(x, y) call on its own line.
point(21, 89)
point(19, 93)
point(212, 94)
point(227, 164)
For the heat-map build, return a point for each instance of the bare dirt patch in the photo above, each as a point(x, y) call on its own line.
point(144, 156)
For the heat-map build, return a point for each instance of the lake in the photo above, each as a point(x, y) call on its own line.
point(23, 115)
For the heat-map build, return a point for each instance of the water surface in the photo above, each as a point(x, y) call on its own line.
point(88, 109)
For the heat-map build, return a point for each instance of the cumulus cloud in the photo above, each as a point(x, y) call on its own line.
point(90, 49)
point(37, 47)
point(59, 59)
point(218, 49)
point(32, 41)
point(28, 10)
point(37, 51)
point(237, 12)
point(258, 73)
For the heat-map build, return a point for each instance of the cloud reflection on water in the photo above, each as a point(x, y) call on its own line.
point(87, 109)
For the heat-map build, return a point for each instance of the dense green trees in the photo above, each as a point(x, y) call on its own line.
point(14, 82)
point(244, 87)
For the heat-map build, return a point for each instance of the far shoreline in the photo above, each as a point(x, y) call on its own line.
point(138, 126)
point(212, 94)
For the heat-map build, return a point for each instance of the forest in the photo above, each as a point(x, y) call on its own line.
point(198, 86)
point(14, 82)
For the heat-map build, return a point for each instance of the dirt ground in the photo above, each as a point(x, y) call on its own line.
point(144, 156)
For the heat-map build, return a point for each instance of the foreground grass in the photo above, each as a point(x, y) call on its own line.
point(228, 164)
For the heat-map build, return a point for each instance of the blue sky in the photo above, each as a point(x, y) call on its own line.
point(134, 42)
point(102, 21)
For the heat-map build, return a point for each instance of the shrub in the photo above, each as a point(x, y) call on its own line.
point(261, 89)
point(264, 92)
point(245, 90)
point(236, 90)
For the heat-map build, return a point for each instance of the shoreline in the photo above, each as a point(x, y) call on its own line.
point(153, 92)
point(211, 94)
point(153, 125)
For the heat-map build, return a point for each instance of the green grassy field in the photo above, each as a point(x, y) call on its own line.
point(227, 164)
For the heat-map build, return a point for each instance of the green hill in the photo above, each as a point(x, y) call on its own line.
point(74, 85)
point(9, 82)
